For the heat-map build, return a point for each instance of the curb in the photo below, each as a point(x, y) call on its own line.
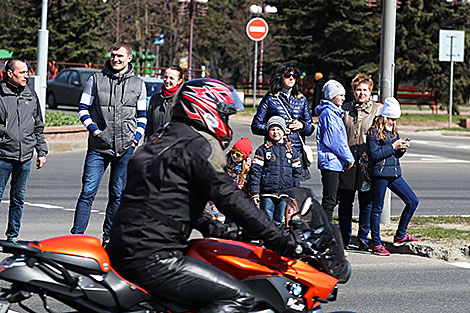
point(429, 250)
point(66, 138)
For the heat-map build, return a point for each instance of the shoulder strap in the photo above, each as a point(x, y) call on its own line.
point(288, 114)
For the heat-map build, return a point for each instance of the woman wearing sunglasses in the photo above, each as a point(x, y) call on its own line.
point(284, 99)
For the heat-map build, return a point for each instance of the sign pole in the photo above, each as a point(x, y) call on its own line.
point(254, 74)
point(451, 81)
point(256, 30)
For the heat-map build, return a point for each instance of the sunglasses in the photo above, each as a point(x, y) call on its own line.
point(362, 80)
point(289, 75)
point(237, 153)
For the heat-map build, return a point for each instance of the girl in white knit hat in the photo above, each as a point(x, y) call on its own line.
point(385, 148)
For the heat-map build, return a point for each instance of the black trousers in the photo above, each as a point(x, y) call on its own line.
point(194, 284)
point(330, 182)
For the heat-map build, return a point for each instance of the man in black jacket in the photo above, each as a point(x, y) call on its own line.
point(171, 178)
point(21, 132)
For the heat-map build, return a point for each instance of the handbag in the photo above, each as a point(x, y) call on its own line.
point(307, 152)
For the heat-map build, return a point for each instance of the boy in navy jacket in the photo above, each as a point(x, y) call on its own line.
point(275, 171)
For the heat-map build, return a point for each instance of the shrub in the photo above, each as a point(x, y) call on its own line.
point(60, 118)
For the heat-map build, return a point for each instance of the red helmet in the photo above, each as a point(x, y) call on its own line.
point(206, 104)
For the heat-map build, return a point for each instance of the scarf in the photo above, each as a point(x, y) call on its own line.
point(169, 92)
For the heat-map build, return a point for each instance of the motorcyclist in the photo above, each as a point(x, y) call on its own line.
point(170, 179)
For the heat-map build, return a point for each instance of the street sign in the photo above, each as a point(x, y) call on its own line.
point(451, 41)
point(159, 39)
point(257, 29)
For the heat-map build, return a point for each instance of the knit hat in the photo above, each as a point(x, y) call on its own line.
point(391, 108)
point(243, 145)
point(278, 121)
point(333, 88)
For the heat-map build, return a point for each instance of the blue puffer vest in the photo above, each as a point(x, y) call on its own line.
point(298, 109)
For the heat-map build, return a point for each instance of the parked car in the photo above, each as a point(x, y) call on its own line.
point(154, 85)
point(66, 88)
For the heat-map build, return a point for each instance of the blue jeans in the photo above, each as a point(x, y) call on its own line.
point(399, 187)
point(345, 209)
point(274, 208)
point(95, 165)
point(19, 172)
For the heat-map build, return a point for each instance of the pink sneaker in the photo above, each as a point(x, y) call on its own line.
point(380, 250)
point(397, 242)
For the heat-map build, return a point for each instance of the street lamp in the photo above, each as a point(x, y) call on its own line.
point(256, 9)
point(192, 7)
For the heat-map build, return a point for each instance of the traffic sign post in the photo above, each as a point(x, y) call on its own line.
point(256, 29)
point(451, 49)
point(159, 40)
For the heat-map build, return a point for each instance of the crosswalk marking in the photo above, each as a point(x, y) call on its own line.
point(428, 158)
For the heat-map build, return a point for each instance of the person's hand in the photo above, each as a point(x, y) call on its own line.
point(97, 132)
point(349, 165)
point(255, 200)
point(295, 125)
point(401, 144)
point(40, 162)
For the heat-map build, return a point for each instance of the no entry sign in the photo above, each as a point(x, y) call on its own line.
point(257, 29)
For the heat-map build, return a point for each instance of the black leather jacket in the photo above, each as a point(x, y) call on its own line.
point(177, 175)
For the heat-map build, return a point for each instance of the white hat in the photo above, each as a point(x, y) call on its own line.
point(391, 108)
point(332, 88)
point(279, 122)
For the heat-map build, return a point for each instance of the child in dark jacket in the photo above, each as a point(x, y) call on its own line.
point(275, 171)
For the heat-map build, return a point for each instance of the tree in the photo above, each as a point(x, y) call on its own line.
point(338, 38)
point(75, 29)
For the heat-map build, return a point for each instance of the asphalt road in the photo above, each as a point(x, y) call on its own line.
point(437, 168)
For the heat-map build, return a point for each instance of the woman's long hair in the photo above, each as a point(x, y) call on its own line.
point(379, 124)
point(275, 84)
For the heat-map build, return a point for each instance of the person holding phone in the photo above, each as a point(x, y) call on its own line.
point(385, 148)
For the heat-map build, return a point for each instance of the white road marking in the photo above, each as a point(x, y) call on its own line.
point(461, 264)
point(441, 144)
point(428, 158)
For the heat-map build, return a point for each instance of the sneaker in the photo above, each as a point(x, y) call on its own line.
point(397, 242)
point(380, 250)
point(13, 240)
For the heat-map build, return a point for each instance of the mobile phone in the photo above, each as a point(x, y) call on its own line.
point(408, 139)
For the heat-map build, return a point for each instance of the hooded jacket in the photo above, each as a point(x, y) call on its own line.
point(21, 124)
point(115, 104)
point(332, 141)
point(298, 109)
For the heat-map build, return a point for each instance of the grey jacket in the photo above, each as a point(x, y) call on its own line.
point(115, 104)
point(158, 113)
point(21, 124)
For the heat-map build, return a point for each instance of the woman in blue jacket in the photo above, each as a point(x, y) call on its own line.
point(385, 148)
point(284, 99)
point(334, 155)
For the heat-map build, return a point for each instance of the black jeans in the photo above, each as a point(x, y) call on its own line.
point(193, 283)
point(330, 181)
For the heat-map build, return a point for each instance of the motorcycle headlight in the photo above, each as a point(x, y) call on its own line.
point(294, 289)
